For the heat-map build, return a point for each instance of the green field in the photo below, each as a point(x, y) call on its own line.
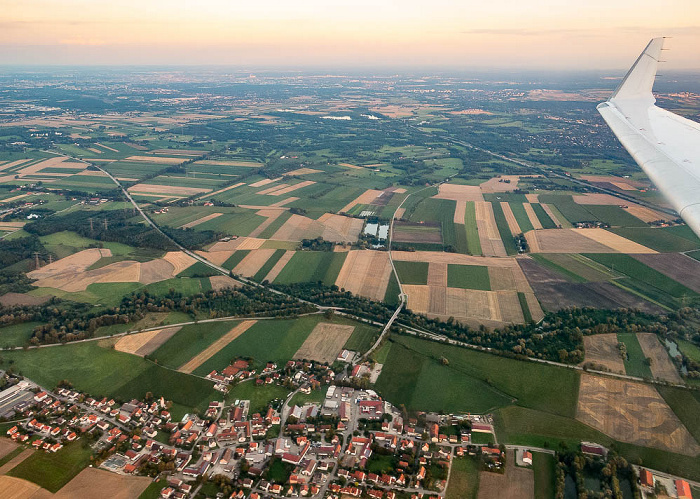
point(662, 240)
point(689, 349)
point(545, 220)
point(464, 479)
point(184, 285)
point(565, 204)
point(312, 266)
point(268, 341)
point(259, 396)
point(267, 266)
point(438, 210)
point(391, 295)
point(543, 466)
point(635, 363)
point(473, 243)
point(662, 287)
point(53, 470)
point(105, 372)
point(189, 341)
point(468, 277)
point(473, 381)
point(527, 314)
point(685, 406)
point(412, 272)
point(521, 216)
point(17, 335)
point(504, 230)
point(278, 222)
point(615, 216)
point(235, 259)
point(362, 338)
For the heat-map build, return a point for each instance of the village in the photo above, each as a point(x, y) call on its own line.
point(351, 444)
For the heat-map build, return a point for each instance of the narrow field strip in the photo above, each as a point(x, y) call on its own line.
point(212, 349)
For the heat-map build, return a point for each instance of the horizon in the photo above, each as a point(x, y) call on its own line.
point(313, 34)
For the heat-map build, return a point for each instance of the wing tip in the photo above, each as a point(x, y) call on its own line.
point(639, 80)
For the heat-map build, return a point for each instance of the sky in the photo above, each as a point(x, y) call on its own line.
point(538, 34)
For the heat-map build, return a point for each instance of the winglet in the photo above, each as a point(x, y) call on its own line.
point(639, 80)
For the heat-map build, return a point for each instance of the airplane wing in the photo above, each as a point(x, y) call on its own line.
point(666, 146)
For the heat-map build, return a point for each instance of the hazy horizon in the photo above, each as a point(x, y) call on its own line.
point(541, 34)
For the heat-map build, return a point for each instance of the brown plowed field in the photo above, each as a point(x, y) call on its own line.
point(459, 192)
point(76, 263)
point(504, 183)
point(501, 278)
point(219, 282)
point(510, 218)
point(156, 270)
point(509, 306)
point(208, 352)
point(602, 349)
point(536, 224)
point(194, 223)
point(678, 267)
point(7, 446)
point(110, 485)
point(16, 488)
point(216, 257)
point(253, 261)
point(336, 228)
point(145, 343)
point(661, 364)
point(460, 212)
point(564, 241)
point(365, 273)
point(613, 179)
point(12, 299)
point(325, 342)
point(406, 232)
point(437, 274)
point(633, 413)
point(516, 483)
point(438, 300)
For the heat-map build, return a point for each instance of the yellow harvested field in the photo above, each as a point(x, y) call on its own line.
point(438, 300)
point(460, 212)
point(288, 200)
point(56, 162)
point(13, 198)
point(237, 244)
point(291, 188)
point(399, 190)
point(16, 488)
point(272, 215)
point(325, 342)
point(216, 257)
point(12, 164)
point(277, 268)
point(613, 179)
point(303, 171)
point(11, 225)
point(564, 241)
point(418, 298)
point(536, 224)
point(348, 165)
point(97, 151)
point(73, 264)
point(661, 365)
point(212, 349)
point(221, 190)
point(222, 162)
point(94, 483)
point(489, 237)
point(151, 189)
point(534, 305)
point(144, 343)
point(601, 350)
point(501, 278)
point(365, 273)
point(219, 282)
point(459, 192)
point(504, 183)
point(365, 198)
point(597, 198)
point(510, 218)
point(634, 413)
point(399, 213)
point(7, 446)
point(613, 241)
point(155, 271)
point(206, 218)
point(645, 214)
point(532, 198)
point(106, 147)
point(272, 189)
point(179, 260)
point(623, 186)
point(265, 181)
point(155, 159)
point(456, 258)
point(126, 271)
point(437, 274)
point(253, 261)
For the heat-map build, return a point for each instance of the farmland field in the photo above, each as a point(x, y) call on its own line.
point(657, 239)
point(312, 266)
point(412, 272)
point(468, 277)
point(464, 480)
point(545, 220)
point(52, 471)
point(470, 226)
point(635, 363)
point(521, 216)
point(503, 229)
point(189, 341)
point(259, 396)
